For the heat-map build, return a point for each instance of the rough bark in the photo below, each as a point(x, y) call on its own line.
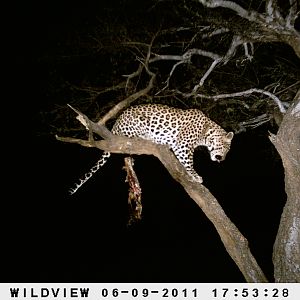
point(286, 252)
point(235, 243)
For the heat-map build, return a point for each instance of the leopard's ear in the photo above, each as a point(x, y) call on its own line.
point(229, 136)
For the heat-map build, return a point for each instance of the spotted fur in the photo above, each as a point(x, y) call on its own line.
point(182, 130)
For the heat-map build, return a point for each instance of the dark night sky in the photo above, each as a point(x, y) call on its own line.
point(53, 237)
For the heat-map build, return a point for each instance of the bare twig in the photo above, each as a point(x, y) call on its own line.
point(238, 94)
point(256, 122)
point(228, 4)
point(212, 66)
point(169, 77)
point(94, 91)
point(292, 14)
point(133, 75)
point(272, 12)
point(126, 102)
point(248, 56)
point(236, 41)
point(215, 32)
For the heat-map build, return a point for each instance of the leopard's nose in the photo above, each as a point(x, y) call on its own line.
point(219, 158)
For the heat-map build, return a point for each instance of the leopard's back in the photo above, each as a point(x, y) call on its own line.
point(181, 129)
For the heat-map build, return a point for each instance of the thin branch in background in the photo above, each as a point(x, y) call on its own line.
point(193, 39)
point(236, 41)
point(273, 97)
point(126, 102)
point(149, 51)
point(256, 121)
point(292, 15)
point(246, 49)
point(238, 94)
point(94, 92)
point(212, 66)
point(272, 12)
point(203, 36)
point(133, 75)
point(170, 75)
point(215, 32)
point(227, 4)
point(186, 58)
point(146, 66)
point(159, 57)
point(287, 88)
point(143, 63)
point(200, 52)
point(269, 8)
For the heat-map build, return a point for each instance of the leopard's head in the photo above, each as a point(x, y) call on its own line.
point(218, 145)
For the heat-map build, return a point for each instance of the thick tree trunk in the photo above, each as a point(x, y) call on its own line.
point(286, 252)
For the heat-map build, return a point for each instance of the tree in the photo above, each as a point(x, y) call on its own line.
point(286, 248)
point(207, 26)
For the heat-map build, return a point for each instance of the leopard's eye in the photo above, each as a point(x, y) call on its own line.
point(218, 157)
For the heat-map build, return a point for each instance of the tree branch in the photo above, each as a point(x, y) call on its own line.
point(273, 12)
point(238, 94)
point(126, 102)
point(292, 14)
point(211, 68)
point(230, 5)
point(255, 122)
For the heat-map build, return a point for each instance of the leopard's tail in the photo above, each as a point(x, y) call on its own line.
point(92, 171)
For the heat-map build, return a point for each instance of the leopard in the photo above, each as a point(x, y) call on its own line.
point(182, 130)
